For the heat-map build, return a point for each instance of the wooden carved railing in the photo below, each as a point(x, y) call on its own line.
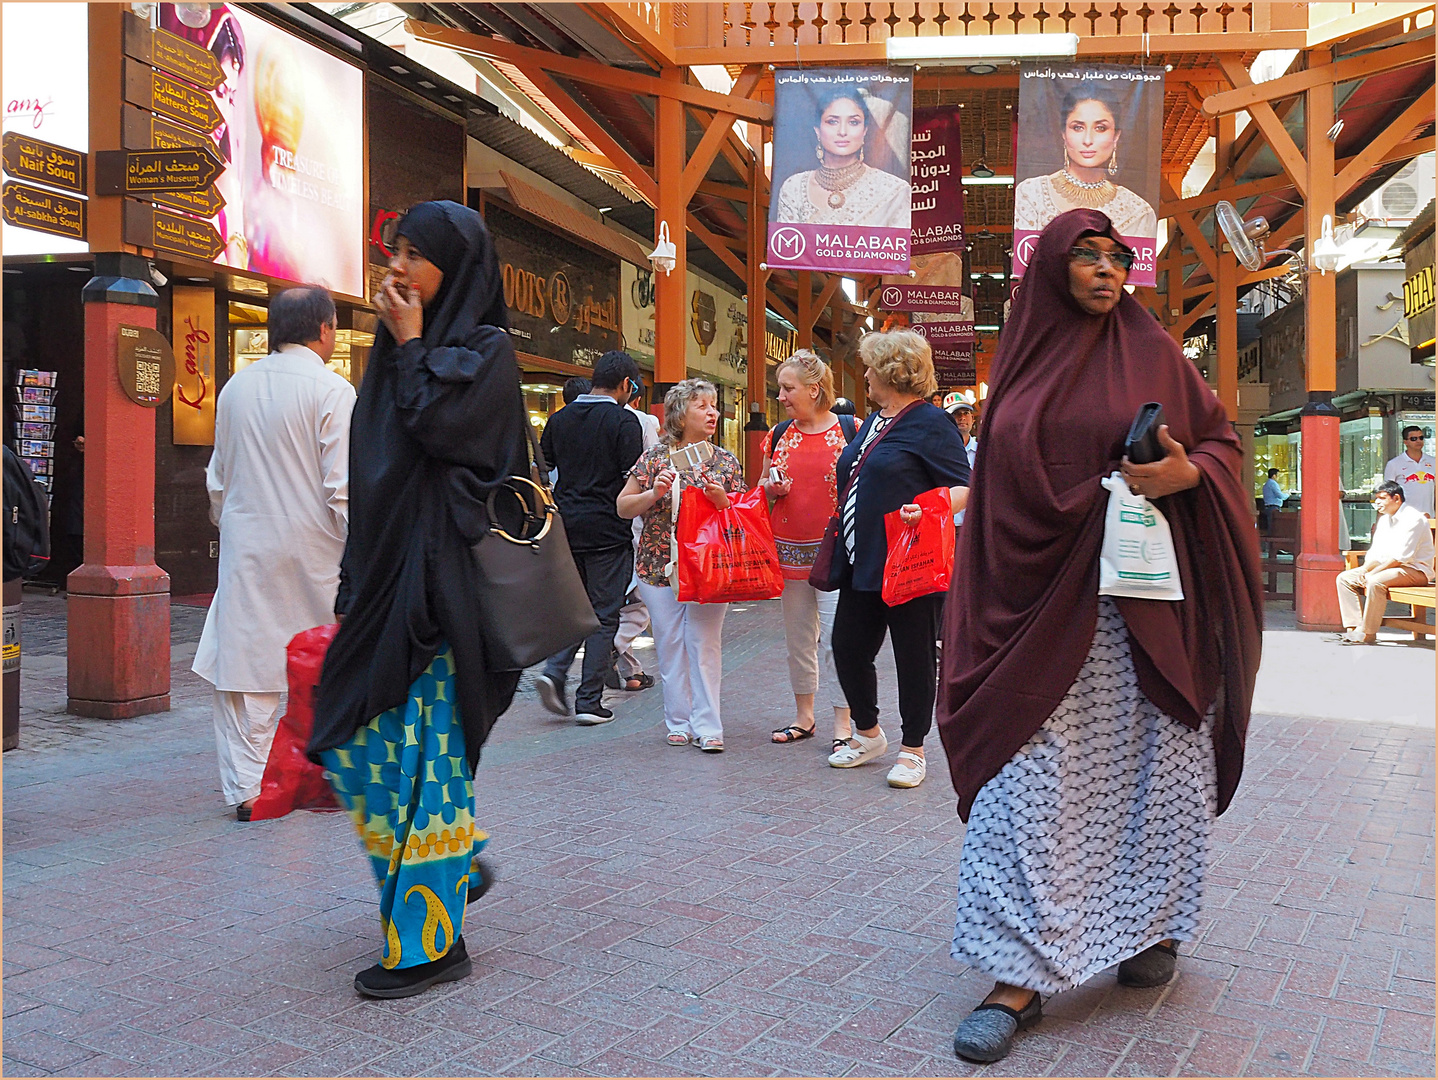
point(745, 26)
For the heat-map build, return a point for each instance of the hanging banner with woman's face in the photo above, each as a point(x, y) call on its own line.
point(1089, 136)
point(840, 197)
point(938, 181)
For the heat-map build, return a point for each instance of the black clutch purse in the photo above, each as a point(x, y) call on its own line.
point(532, 602)
point(1142, 445)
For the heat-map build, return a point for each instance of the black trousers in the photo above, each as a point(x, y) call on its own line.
point(606, 577)
point(859, 625)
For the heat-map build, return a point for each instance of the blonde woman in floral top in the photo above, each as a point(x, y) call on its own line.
point(686, 636)
point(805, 450)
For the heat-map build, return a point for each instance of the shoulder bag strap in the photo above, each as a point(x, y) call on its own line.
point(854, 472)
point(848, 427)
point(778, 433)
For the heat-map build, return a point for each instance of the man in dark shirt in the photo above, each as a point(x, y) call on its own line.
point(594, 442)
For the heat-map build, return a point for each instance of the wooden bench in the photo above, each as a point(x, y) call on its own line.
point(1416, 597)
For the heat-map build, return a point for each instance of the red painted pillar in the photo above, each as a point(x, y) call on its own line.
point(119, 600)
point(1320, 520)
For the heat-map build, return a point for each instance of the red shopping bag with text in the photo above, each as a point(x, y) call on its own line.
point(728, 554)
point(921, 556)
point(292, 781)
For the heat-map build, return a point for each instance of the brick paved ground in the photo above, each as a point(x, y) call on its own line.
point(663, 912)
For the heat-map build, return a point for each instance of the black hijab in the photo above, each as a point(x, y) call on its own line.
point(438, 423)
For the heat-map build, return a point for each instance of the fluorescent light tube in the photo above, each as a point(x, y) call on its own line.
point(980, 47)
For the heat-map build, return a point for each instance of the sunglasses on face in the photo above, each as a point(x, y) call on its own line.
point(1086, 256)
point(1414, 438)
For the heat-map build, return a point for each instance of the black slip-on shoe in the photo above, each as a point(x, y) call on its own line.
point(987, 1033)
point(243, 812)
point(382, 982)
point(1152, 967)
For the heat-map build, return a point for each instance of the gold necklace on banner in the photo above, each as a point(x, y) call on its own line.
point(1076, 192)
point(835, 181)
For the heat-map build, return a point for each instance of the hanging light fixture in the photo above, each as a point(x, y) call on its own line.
point(665, 255)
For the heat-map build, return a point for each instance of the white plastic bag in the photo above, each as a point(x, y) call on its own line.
point(1137, 557)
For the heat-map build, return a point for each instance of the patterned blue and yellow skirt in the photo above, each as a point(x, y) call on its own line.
point(407, 785)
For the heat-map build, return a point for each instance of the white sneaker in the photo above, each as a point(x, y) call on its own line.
point(846, 757)
point(908, 771)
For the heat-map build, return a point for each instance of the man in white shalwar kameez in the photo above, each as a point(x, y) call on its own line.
point(279, 491)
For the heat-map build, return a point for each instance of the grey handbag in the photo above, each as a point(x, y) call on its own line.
point(532, 601)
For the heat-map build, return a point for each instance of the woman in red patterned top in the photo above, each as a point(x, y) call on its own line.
point(804, 450)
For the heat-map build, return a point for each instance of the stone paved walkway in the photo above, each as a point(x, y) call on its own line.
point(664, 912)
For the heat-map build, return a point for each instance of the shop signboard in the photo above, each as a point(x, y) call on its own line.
point(284, 118)
point(45, 70)
point(937, 210)
point(936, 299)
point(34, 208)
point(563, 299)
point(175, 234)
point(954, 365)
point(154, 172)
point(841, 195)
point(145, 364)
point(193, 341)
point(1089, 135)
point(28, 158)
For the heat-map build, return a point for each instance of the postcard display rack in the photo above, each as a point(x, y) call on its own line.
point(35, 423)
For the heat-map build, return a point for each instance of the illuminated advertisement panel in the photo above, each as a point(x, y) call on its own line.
point(288, 124)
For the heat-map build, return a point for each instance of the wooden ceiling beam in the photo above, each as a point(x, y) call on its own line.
point(1263, 115)
point(1367, 159)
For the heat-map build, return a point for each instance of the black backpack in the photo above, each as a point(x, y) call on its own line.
point(27, 521)
point(846, 425)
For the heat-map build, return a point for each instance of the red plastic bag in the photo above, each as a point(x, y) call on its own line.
point(292, 781)
point(921, 557)
point(727, 555)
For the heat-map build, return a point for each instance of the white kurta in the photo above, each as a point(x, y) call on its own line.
point(279, 490)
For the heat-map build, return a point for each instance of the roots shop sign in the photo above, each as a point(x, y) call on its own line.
point(563, 299)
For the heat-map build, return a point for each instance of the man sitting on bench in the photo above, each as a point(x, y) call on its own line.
point(1401, 555)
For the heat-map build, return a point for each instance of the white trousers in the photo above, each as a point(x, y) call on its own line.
point(244, 728)
point(809, 633)
point(689, 640)
point(633, 620)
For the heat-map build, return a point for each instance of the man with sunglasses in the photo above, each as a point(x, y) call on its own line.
point(594, 442)
point(1414, 470)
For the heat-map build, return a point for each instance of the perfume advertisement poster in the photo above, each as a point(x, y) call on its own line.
point(937, 208)
point(291, 136)
point(1089, 136)
point(840, 194)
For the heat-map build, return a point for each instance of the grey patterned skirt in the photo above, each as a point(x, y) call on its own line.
point(1090, 845)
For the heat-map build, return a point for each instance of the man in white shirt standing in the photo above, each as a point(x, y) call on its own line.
point(1401, 555)
point(1273, 499)
point(279, 491)
point(963, 414)
point(1414, 470)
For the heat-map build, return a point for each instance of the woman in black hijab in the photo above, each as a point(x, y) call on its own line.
point(407, 697)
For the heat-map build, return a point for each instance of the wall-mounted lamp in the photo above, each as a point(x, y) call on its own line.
point(665, 255)
point(1326, 252)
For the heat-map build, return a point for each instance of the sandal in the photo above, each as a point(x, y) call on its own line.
point(792, 733)
point(677, 738)
point(710, 745)
point(857, 750)
point(644, 680)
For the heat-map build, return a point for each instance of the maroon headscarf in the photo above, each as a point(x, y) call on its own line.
point(1023, 604)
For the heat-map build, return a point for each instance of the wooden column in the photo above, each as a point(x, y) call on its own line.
point(1319, 561)
point(758, 323)
point(669, 313)
point(1226, 309)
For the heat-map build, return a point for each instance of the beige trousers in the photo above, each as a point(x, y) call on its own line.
point(244, 729)
point(1356, 613)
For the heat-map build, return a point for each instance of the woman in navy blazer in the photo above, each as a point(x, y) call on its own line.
point(906, 448)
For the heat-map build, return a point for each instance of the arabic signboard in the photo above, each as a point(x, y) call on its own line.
point(43, 162)
point(175, 234)
point(43, 211)
point(173, 53)
point(937, 211)
point(149, 172)
point(205, 203)
point(145, 364)
point(563, 299)
point(145, 131)
point(156, 91)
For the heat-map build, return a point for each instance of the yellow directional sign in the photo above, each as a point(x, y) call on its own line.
point(43, 162)
point(44, 211)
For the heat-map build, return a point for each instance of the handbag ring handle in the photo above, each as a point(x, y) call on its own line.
point(538, 515)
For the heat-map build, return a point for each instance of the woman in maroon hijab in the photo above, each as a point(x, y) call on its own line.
point(1091, 739)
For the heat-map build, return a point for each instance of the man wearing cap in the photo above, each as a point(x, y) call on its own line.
point(963, 416)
